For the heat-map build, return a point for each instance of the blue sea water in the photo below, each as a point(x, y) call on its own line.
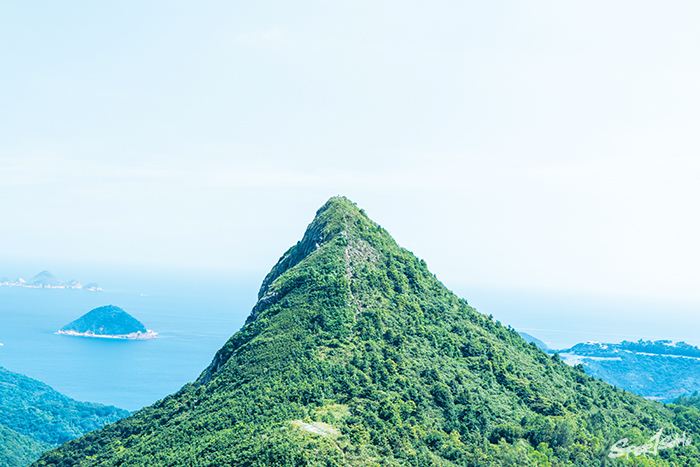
point(195, 317)
point(192, 320)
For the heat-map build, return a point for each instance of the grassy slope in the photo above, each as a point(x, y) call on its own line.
point(357, 355)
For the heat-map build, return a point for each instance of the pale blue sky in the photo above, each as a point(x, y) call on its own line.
point(536, 145)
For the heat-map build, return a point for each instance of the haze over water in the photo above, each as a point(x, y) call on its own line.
point(564, 319)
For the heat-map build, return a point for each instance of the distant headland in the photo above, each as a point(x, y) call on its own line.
point(109, 322)
point(46, 280)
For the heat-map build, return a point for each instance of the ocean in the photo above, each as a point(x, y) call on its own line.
point(193, 320)
point(195, 317)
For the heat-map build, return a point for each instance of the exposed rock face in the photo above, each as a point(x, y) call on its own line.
point(312, 240)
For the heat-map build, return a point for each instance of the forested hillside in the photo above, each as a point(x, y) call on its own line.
point(34, 417)
point(17, 450)
point(355, 354)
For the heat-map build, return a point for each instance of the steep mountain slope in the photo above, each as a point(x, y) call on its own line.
point(355, 354)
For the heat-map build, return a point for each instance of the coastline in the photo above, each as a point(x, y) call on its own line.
point(131, 336)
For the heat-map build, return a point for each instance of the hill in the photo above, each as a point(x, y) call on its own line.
point(355, 354)
point(45, 279)
point(659, 370)
point(107, 321)
point(35, 409)
point(34, 417)
point(533, 340)
point(17, 450)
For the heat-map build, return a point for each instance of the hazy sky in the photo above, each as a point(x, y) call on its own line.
point(545, 145)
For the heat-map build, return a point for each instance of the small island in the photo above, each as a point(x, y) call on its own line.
point(108, 322)
point(46, 280)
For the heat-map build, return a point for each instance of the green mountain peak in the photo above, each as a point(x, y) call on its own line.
point(340, 239)
point(338, 220)
point(355, 354)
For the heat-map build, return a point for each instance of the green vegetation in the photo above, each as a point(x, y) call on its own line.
point(107, 320)
point(17, 450)
point(689, 401)
point(355, 354)
point(34, 418)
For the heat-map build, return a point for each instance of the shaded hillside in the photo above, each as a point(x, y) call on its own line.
point(355, 354)
point(34, 409)
point(17, 450)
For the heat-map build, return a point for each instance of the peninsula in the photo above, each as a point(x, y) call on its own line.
point(109, 322)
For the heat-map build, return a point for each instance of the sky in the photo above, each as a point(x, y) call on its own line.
point(542, 145)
